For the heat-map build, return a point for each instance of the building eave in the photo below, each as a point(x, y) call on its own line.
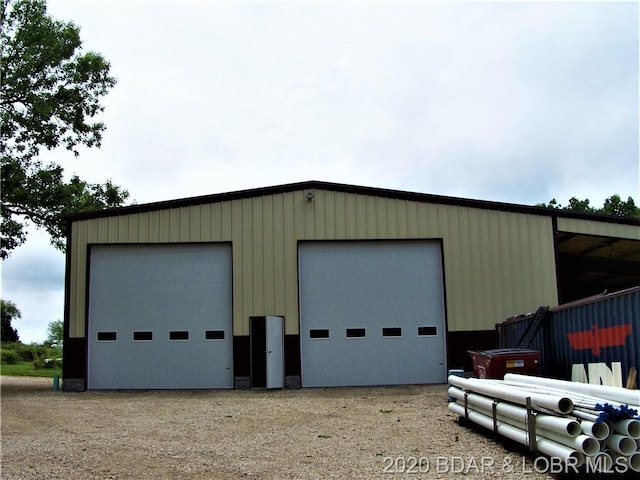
point(353, 189)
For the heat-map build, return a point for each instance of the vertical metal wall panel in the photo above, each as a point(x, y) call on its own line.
point(289, 283)
point(276, 266)
point(80, 233)
point(496, 262)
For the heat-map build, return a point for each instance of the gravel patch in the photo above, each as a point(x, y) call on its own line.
point(319, 433)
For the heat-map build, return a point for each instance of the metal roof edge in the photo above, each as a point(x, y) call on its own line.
point(355, 189)
point(595, 298)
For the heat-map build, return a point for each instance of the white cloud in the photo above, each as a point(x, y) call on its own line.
point(33, 279)
point(509, 101)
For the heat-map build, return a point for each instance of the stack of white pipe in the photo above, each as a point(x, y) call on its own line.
point(563, 415)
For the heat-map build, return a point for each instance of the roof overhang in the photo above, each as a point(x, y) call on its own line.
point(354, 189)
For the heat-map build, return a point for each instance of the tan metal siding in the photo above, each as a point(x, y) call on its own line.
point(289, 283)
point(496, 263)
point(589, 227)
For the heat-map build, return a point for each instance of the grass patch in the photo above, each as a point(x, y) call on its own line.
point(26, 369)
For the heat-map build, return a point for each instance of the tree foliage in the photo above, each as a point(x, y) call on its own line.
point(613, 205)
point(51, 92)
point(9, 312)
point(55, 333)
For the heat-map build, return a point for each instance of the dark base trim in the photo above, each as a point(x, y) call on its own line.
point(73, 385)
point(242, 383)
point(292, 381)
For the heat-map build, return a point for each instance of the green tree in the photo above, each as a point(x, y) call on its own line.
point(50, 94)
point(613, 205)
point(9, 312)
point(55, 333)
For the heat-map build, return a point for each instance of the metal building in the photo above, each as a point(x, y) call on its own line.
point(318, 284)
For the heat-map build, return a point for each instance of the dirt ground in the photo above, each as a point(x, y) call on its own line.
point(342, 433)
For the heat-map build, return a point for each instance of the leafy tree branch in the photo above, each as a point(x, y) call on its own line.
point(613, 205)
point(50, 93)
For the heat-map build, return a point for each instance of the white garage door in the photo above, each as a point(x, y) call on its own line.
point(160, 317)
point(371, 313)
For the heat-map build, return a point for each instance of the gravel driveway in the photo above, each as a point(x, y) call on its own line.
point(343, 433)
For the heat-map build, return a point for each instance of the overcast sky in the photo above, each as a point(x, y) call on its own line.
point(509, 101)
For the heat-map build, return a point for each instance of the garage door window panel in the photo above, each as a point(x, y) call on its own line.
point(179, 335)
point(319, 333)
point(356, 333)
point(107, 336)
point(427, 331)
point(392, 332)
point(214, 335)
point(142, 336)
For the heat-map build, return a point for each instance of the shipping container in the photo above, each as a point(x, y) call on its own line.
point(594, 340)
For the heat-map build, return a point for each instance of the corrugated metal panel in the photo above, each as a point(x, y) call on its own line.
point(496, 262)
point(600, 330)
point(589, 227)
point(606, 330)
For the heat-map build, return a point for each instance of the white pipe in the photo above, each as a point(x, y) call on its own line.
point(590, 411)
point(634, 461)
point(561, 425)
point(580, 399)
point(552, 402)
point(561, 430)
point(630, 427)
point(584, 415)
point(597, 430)
point(621, 444)
point(582, 443)
point(544, 445)
point(617, 394)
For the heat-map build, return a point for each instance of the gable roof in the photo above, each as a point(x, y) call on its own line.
point(353, 189)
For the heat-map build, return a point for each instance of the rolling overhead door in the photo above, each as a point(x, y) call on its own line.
point(160, 317)
point(371, 313)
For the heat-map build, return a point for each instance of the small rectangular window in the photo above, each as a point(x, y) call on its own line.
point(427, 331)
point(107, 336)
point(142, 336)
point(355, 332)
point(392, 332)
point(179, 335)
point(319, 333)
point(214, 335)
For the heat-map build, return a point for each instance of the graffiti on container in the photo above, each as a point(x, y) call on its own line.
point(598, 373)
point(597, 338)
